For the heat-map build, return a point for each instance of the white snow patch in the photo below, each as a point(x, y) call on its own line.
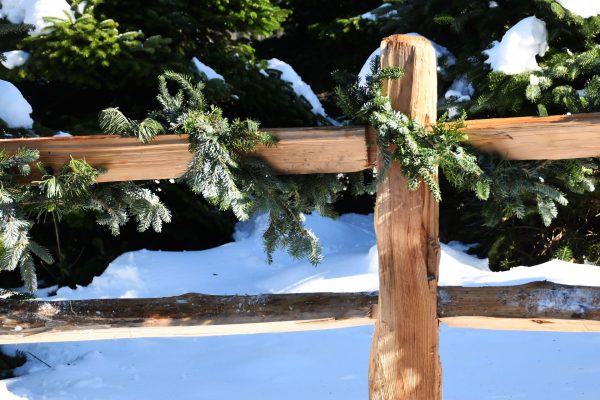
point(583, 8)
point(14, 109)
point(301, 88)
point(534, 80)
point(492, 4)
point(33, 12)
point(460, 90)
point(519, 46)
point(62, 134)
point(15, 58)
point(206, 70)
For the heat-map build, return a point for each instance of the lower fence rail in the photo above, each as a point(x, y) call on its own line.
point(540, 306)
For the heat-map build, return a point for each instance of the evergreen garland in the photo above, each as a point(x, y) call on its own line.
point(418, 150)
point(224, 174)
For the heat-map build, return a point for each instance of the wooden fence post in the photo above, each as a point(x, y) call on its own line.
point(404, 362)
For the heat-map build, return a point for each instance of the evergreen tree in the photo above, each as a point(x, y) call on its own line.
point(567, 81)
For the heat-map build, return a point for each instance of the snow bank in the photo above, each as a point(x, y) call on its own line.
point(14, 109)
point(583, 8)
point(206, 70)
point(240, 266)
point(15, 58)
point(519, 46)
point(350, 265)
point(33, 12)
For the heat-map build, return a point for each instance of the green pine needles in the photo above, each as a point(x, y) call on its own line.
point(71, 189)
point(419, 151)
point(223, 172)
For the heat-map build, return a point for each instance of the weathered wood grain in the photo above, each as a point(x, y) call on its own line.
point(558, 137)
point(404, 361)
point(187, 315)
point(300, 151)
point(319, 150)
point(539, 306)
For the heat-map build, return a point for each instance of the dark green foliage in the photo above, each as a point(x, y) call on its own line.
point(319, 37)
point(197, 28)
point(224, 174)
point(522, 189)
point(9, 363)
point(10, 34)
point(111, 53)
point(87, 51)
point(71, 190)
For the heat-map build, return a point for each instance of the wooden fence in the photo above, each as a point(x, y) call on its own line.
point(404, 357)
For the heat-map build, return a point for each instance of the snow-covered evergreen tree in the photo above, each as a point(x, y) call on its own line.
point(513, 58)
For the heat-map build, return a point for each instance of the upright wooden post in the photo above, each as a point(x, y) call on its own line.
point(404, 361)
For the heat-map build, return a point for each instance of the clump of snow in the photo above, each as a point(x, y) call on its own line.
point(461, 90)
point(519, 46)
point(383, 11)
point(15, 58)
point(534, 80)
point(206, 70)
point(14, 109)
point(444, 57)
point(492, 4)
point(62, 134)
point(583, 8)
point(301, 88)
point(34, 12)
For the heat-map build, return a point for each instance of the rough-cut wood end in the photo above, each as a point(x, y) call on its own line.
point(415, 40)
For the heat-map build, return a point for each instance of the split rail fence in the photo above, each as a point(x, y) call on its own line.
point(407, 310)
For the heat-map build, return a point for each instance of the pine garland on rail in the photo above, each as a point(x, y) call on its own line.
point(222, 172)
point(418, 150)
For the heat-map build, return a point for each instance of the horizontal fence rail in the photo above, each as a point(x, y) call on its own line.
point(299, 151)
point(538, 306)
point(557, 137)
point(318, 150)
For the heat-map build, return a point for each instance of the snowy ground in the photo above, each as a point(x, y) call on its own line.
point(308, 365)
